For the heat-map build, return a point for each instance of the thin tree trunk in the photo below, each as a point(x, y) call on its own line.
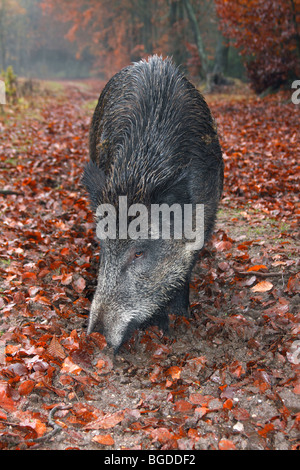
point(197, 33)
point(176, 37)
point(2, 34)
point(297, 33)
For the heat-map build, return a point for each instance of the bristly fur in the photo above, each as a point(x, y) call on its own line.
point(149, 129)
point(93, 179)
point(152, 139)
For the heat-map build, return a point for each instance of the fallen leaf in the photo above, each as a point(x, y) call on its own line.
point(104, 365)
point(174, 372)
point(55, 348)
point(26, 419)
point(156, 373)
point(26, 387)
point(223, 245)
point(105, 440)
point(240, 414)
point(201, 411)
point(108, 421)
point(40, 299)
point(183, 406)
point(79, 285)
point(161, 435)
point(266, 429)
point(225, 444)
point(257, 267)
point(98, 339)
point(6, 402)
point(228, 404)
point(199, 399)
point(70, 367)
point(263, 286)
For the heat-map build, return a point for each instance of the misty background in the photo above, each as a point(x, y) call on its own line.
point(37, 41)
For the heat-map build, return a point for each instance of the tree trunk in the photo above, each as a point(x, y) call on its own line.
point(216, 78)
point(197, 34)
point(297, 33)
point(2, 35)
point(176, 36)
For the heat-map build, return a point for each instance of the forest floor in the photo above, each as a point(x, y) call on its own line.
point(225, 378)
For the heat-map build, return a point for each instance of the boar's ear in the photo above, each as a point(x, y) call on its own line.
point(93, 179)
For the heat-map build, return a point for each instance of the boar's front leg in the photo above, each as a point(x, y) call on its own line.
point(180, 303)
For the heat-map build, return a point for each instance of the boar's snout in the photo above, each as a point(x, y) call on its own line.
point(101, 321)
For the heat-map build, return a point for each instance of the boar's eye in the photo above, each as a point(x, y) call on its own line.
point(139, 254)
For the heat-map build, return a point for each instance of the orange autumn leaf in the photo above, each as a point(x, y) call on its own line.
point(228, 404)
point(41, 299)
point(98, 339)
point(66, 279)
point(36, 424)
point(26, 387)
point(193, 434)
point(225, 444)
point(26, 419)
point(199, 399)
point(266, 429)
point(29, 275)
point(6, 402)
point(257, 267)
point(104, 365)
point(105, 440)
point(174, 372)
point(70, 367)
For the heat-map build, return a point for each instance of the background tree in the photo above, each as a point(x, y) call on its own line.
point(77, 38)
point(267, 34)
point(10, 13)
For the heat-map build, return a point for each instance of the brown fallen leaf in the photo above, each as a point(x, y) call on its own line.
point(262, 286)
point(161, 435)
point(27, 420)
point(183, 406)
point(223, 245)
point(104, 365)
point(108, 421)
point(55, 348)
point(79, 285)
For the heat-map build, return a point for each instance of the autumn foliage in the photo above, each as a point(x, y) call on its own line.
point(117, 33)
point(267, 33)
